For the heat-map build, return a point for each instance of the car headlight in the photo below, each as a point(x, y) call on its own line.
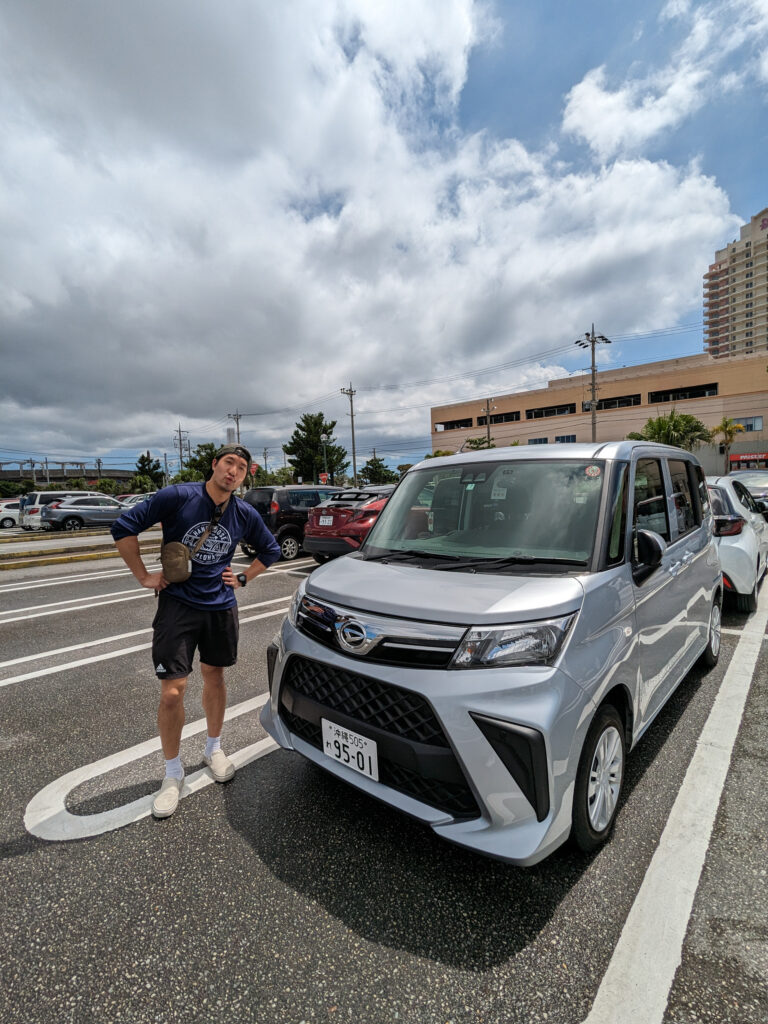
point(298, 594)
point(529, 643)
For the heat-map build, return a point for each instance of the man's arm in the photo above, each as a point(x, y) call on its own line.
point(128, 548)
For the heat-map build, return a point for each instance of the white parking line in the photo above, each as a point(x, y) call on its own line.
point(115, 638)
point(80, 607)
point(56, 581)
point(47, 817)
point(649, 951)
point(37, 673)
point(69, 600)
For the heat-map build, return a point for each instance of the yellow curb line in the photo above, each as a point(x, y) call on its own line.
point(43, 560)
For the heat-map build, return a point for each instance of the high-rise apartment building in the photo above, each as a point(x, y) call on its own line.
point(735, 292)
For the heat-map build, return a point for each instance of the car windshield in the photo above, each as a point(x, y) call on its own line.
point(492, 516)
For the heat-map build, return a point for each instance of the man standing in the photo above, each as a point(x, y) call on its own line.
point(200, 612)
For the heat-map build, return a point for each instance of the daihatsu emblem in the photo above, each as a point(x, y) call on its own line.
point(355, 637)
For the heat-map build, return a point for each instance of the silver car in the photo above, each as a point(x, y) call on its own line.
point(75, 513)
point(512, 625)
point(741, 534)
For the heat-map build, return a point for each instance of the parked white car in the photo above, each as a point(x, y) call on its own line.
point(741, 533)
point(9, 513)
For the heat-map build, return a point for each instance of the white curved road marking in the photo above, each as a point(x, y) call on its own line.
point(47, 817)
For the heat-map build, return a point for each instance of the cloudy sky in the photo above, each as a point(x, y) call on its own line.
point(209, 208)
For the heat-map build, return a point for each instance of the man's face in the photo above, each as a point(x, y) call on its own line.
point(229, 471)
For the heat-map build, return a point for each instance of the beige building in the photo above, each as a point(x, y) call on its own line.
point(706, 387)
point(735, 291)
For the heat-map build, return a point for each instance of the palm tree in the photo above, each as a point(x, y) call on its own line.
point(677, 428)
point(727, 428)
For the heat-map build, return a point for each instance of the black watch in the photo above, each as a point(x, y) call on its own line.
point(241, 578)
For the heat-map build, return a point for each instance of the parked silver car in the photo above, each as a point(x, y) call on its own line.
point(9, 513)
point(75, 513)
point(513, 623)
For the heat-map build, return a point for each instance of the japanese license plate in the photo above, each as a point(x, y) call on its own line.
point(326, 520)
point(351, 749)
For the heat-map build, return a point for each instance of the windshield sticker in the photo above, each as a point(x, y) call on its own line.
point(470, 487)
point(498, 493)
point(593, 471)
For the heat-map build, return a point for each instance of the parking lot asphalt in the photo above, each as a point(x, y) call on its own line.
point(285, 896)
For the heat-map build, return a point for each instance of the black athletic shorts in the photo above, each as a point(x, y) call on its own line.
point(179, 629)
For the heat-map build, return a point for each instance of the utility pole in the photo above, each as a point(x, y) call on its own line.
point(98, 468)
point(350, 393)
point(487, 409)
point(34, 478)
point(265, 460)
point(167, 477)
point(236, 416)
point(590, 340)
point(47, 474)
point(179, 439)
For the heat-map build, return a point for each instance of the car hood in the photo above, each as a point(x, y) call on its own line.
point(434, 595)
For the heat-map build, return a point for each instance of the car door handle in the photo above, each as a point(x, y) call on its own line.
point(674, 568)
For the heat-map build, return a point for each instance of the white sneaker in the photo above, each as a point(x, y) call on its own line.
point(167, 800)
point(221, 767)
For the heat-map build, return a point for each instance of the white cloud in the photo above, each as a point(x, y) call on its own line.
point(208, 209)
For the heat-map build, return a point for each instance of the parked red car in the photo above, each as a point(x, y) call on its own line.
point(341, 523)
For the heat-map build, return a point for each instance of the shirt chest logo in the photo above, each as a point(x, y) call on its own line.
point(215, 546)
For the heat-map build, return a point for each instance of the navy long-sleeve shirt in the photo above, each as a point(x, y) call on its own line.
point(185, 511)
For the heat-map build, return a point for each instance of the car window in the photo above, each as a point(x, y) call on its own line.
point(720, 504)
point(745, 498)
point(650, 499)
point(686, 512)
point(304, 499)
point(701, 485)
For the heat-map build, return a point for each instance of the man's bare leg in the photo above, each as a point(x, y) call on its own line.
point(214, 705)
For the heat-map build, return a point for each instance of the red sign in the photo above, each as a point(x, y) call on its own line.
point(752, 457)
point(254, 467)
point(323, 478)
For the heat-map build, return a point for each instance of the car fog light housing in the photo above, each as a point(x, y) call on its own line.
point(529, 643)
point(293, 609)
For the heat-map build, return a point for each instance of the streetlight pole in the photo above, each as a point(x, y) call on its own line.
point(324, 439)
point(590, 340)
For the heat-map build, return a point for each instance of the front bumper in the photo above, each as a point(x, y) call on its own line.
point(497, 779)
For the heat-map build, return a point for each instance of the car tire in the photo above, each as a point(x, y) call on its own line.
point(72, 523)
point(747, 602)
point(712, 651)
point(290, 546)
point(320, 559)
point(247, 550)
point(6, 524)
point(599, 780)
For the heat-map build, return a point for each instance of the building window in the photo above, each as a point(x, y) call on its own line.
point(565, 439)
point(620, 402)
point(499, 417)
point(750, 305)
point(680, 394)
point(453, 424)
point(550, 410)
point(538, 440)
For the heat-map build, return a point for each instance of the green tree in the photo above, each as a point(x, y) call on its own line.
point(438, 453)
point(187, 476)
point(107, 485)
point(375, 472)
point(403, 468)
point(147, 466)
point(677, 428)
point(282, 477)
point(305, 449)
point(142, 484)
point(727, 428)
point(477, 444)
point(201, 459)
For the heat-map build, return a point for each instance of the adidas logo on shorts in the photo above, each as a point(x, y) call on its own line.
point(160, 668)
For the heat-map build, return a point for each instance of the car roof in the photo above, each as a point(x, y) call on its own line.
point(621, 451)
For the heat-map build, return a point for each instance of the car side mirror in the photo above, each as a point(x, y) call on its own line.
point(650, 551)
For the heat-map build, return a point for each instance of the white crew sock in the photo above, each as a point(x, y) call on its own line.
point(174, 769)
point(212, 744)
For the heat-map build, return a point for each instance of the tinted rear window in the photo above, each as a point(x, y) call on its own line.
point(260, 498)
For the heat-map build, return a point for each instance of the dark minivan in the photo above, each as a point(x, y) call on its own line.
point(285, 511)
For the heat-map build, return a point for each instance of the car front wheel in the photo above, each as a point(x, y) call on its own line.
point(599, 780)
point(6, 524)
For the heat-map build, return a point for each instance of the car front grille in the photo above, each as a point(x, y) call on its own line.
point(402, 723)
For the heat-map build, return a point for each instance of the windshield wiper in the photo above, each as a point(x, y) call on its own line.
point(488, 564)
point(406, 554)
